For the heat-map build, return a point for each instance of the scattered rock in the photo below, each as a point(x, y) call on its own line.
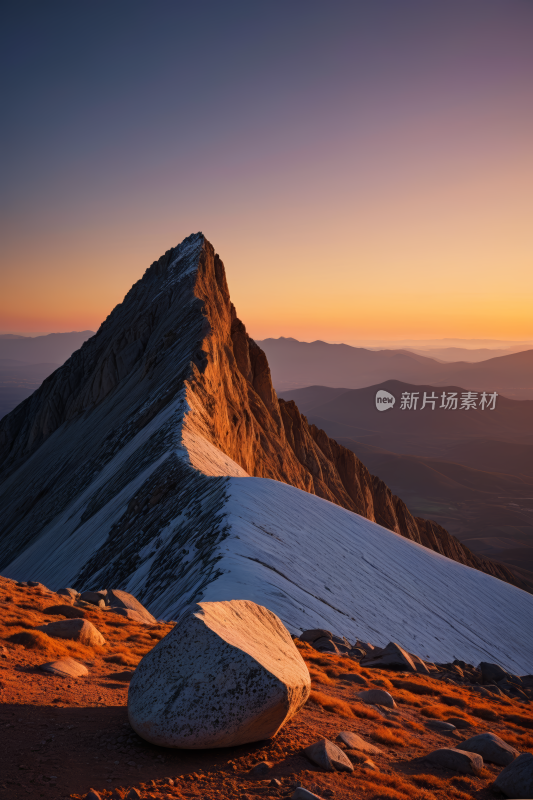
point(377, 697)
point(457, 760)
point(420, 665)
point(516, 780)
point(133, 794)
point(125, 676)
point(121, 599)
point(263, 768)
point(36, 584)
point(460, 723)
point(168, 781)
point(65, 611)
point(438, 725)
point(228, 673)
point(69, 593)
point(353, 677)
point(95, 598)
point(275, 782)
point(92, 795)
point(304, 794)
point(66, 667)
point(328, 756)
point(492, 672)
point(391, 657)
point(326, 646)
point(493, 689)
point(492, 748)
point(3, 652)
point(79, 630)
point(129, 613)
point(355, 742)
point(313, 635)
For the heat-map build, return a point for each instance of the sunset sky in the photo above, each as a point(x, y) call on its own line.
point(363, 168)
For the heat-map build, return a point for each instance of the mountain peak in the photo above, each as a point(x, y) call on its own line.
point(137, 462)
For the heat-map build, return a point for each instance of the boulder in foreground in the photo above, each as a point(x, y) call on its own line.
point(227, 674)
point(79, 630)
point(355, 742)
point(516, 780)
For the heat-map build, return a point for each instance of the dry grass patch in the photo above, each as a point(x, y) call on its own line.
point(408, 699)
point(484, 712)
point(417, 687)
point(320, 677)
point(331, 704)
point(453, 700)
point(364, 712)
point(393, 738)
point(516, 719)
point(522, 741)
point(429, 781)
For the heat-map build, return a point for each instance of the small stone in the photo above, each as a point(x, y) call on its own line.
point(393, 657)
point(263, 768)
point(125, 676)
point(133, 794)
point(460, 723)
point(438, 725)
point(304, 794)
point(491, 747)
point(353, 677)
point(377, 697)
point(328, 756)
point(274, 782)
point(92, 795)
point(93, 597)
point(120, 599)
point(72, 593)
point(355, 742)
point(129, 613)
point(78, 630)
point(516, 780)
point(312, 635)
point(66, 668)
point(168, 781)
point(457, 760)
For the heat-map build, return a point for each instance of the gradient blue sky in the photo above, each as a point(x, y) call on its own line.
point(363, 168)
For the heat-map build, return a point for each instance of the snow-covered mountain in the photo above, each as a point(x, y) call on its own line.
point(132, 466)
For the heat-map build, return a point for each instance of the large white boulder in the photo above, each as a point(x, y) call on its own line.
point(228, 673)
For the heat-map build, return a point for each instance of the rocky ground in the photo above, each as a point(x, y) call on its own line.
point(63, 736)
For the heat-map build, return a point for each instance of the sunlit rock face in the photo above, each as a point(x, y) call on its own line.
point(140, 464)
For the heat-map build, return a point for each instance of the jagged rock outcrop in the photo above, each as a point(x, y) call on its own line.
point(125, 468)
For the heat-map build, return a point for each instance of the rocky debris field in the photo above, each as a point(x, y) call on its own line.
point(66, 732)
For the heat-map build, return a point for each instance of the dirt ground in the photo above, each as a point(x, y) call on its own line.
point(64, 736)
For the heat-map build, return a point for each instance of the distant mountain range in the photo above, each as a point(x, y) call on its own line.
point(471, 471)
point(25, 361)
point(297, 364)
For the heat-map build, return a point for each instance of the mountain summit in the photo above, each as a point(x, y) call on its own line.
point(140, 461)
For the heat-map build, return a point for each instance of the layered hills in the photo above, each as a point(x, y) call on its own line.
point(159, 458)
point(297, 364)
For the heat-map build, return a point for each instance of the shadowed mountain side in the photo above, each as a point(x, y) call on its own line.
point(352, 413)
point(297, 364)
point(490, 513)
point(173, 367)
